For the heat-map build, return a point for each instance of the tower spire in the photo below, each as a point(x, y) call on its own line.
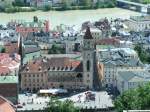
point(21, 50)
point(88, 34)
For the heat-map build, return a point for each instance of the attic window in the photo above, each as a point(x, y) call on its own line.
point(27, 69)
point(71, 68)
point(48, 68)
point(53, 68)
point(58, 68)
point(66, 68)
point(39, 68)
point(62, 68)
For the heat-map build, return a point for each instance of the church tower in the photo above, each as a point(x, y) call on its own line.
point(88, 59)
point(21, 49)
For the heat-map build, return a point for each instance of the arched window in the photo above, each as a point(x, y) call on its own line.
point(88, 65)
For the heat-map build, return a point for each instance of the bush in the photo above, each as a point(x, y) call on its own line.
point(47, 8)
point(56, 50)
point(54, 105)
point(3, 50)
point(18, 9)
point(134, 99)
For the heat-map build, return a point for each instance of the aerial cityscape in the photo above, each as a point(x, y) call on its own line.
point(74, 55)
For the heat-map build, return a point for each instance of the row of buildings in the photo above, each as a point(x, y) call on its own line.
point(9, 69)
point(101, 61)
point(43, 3)
point(62, 72)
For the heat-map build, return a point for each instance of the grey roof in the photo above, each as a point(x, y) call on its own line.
point(32, 49)
point(133, 76)
point(126, 75)
point(133, 62)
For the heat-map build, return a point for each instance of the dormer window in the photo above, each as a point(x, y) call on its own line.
point(49, 68)
point(66, 68)
point(62, 68)
point(58, 68)
point(27, 69)
point(40, 68)
point(53, 68)
point(71, 68)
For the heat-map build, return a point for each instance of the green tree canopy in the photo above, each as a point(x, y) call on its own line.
point(55, 105)
point(135, 99)
point(87, 3)
point(3, 50)
point(66, 4)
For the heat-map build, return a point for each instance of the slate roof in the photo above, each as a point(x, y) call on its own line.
point(131, 76)
point(32, 49)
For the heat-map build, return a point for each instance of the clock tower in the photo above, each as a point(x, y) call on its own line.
point(88, 59)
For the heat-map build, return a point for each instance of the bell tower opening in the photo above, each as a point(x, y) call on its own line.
point(88, 65)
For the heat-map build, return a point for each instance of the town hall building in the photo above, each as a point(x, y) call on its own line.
point(62, 72)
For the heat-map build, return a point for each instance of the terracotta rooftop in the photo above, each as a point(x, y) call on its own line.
point(11, 47)
point(10, 61)
point(5, 105)
point(4, 70)
point(34, 66)
point(108, 41)
point(63, 63)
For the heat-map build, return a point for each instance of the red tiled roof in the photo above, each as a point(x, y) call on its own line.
point(11, 47)
point(109, 41)
point(5, 106)
point(7, 61)
point(63, 62)
point(4, 70)
point(34, 66)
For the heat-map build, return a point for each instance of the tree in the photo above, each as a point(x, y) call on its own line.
point(47, 8)
point(87, 3)
point(56, 50)
point(66, 4)
point(54, 105)
point(3, 50)
point(134, 99)
point(143, 54)
point(19, 3)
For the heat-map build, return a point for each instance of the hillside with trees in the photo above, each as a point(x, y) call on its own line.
point(20, 6)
